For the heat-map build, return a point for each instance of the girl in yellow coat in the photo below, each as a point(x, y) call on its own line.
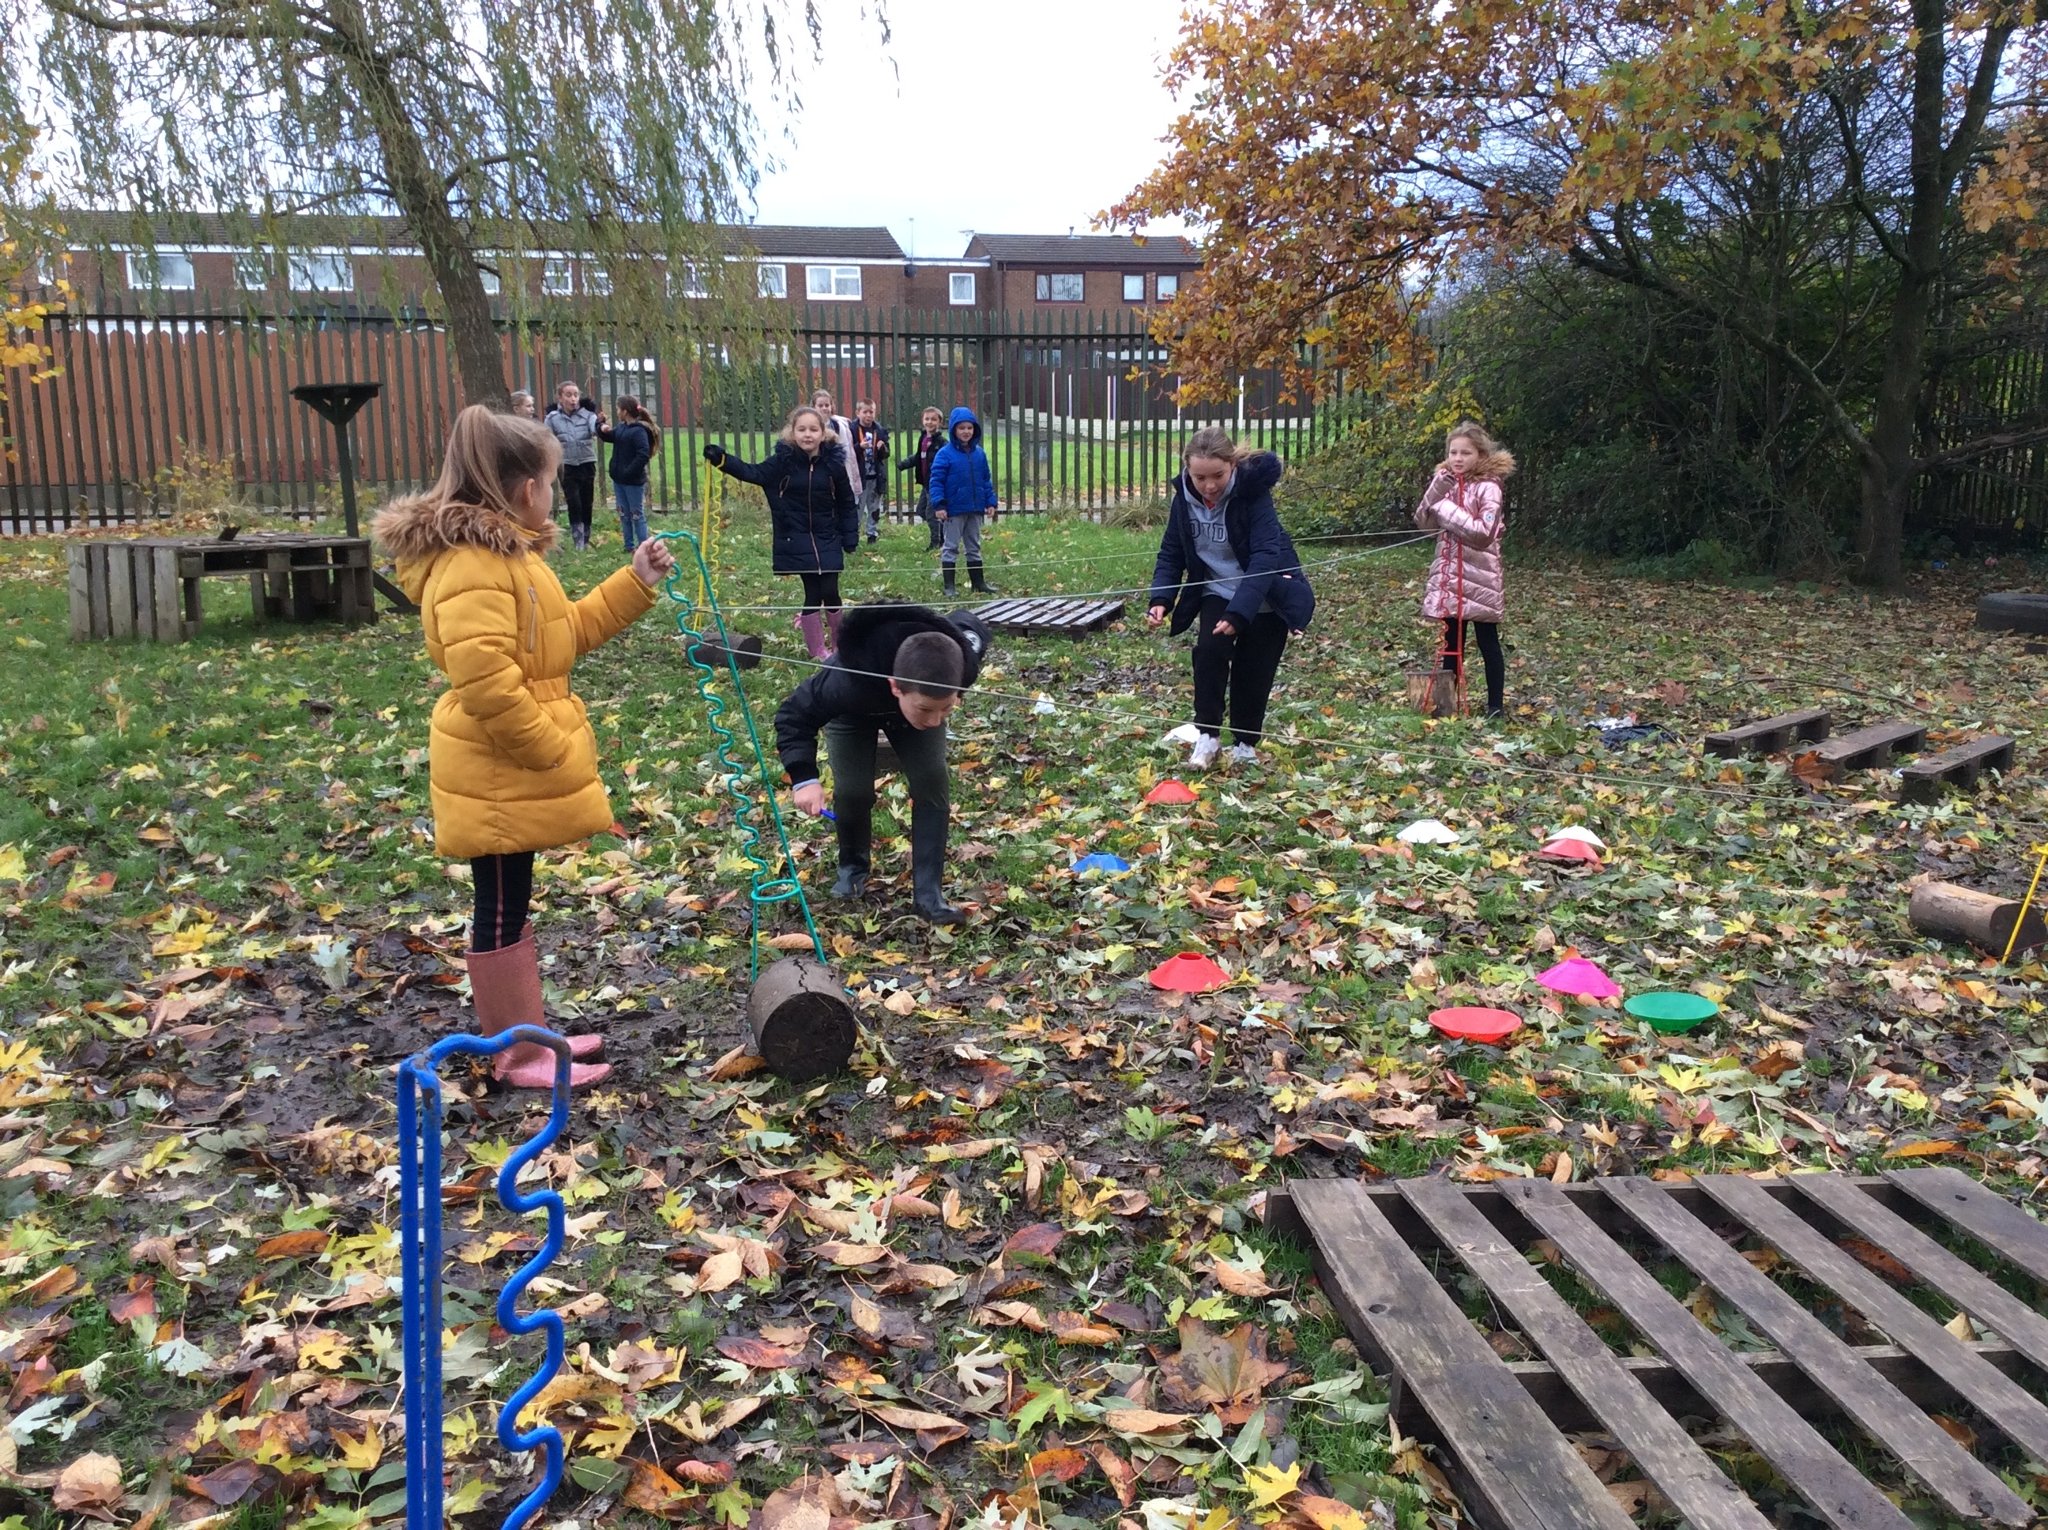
point(513, 763)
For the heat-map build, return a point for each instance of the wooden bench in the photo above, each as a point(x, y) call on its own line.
point(1050, 615)
point(1959, 766)
point(1771, 734)
point(1869, 748)
point(149, 587)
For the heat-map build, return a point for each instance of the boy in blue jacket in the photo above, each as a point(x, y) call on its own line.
point(962, 490)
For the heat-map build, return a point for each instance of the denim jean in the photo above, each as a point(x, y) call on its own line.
point(632, 499)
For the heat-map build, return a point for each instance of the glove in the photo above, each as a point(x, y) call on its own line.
point(852, 547)
point(714, 454)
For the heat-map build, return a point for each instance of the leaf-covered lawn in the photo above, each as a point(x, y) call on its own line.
point(1012, 1265)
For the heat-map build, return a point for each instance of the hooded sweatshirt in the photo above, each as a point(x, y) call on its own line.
point(853, 684)
point(1192, 564)
point(961, 483)
point(576, 429)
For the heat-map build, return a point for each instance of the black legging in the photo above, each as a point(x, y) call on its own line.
point(820, 590)
point(1488, 634)
point(504, 890)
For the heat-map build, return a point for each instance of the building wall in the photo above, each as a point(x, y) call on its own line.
point(1103, 286)
point(376, 276)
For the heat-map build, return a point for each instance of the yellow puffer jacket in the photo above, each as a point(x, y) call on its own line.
point(513, 763)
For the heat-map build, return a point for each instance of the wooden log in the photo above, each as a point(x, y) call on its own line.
point(1433, 692)
point(744, 651)
point(1983, 919)
point(799, 1019)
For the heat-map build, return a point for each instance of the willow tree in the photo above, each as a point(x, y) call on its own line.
point(1352, 159)
point(28, 241)
point(492, 128)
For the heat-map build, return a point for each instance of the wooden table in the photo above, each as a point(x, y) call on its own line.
point(148, 587)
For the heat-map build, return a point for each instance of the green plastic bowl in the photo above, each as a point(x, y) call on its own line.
point(1672, 1013)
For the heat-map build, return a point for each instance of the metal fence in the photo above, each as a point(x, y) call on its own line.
point(1078, 407)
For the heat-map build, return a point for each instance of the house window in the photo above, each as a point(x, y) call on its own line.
point(557, 278)
point(841, 353)
point(960, 289)
point(252, 271)
point(322, 273)
point(1134, 287)
point(834, 283)
point(1070, 288)
point(688, 281)
point(1167, 286)
point(596, 279)
point(492, 285)
point(166, 271)
point(774, 280)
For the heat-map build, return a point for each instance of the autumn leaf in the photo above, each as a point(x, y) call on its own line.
point(1060, 1465)
point(756, 1354)
point(1217, 1370)
point(1144, 1420)
point(292, 1245)
point(91, 1485)
point(1267, 1485)
point(933, 1430)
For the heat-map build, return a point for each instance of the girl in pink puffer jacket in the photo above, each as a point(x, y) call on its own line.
point(1464, 505)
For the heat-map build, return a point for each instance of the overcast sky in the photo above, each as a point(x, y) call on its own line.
point(1027, 118)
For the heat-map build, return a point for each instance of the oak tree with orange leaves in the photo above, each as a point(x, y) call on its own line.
point(1351, 160)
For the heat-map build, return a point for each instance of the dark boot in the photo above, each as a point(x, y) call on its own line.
point(928, 830)
point(856, 843)
point(974, 579)
point(951, 587)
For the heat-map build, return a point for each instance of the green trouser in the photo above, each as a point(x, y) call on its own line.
point(850, 746)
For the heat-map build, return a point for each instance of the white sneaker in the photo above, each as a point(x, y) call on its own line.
point(1207, 747)
point(1244, 754)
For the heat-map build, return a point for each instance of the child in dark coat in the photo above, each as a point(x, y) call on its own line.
point(1226, 562)
point(929, 441)
point(812, 515)
point(900, 669)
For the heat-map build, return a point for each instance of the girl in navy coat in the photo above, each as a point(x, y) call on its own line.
point(1227, 564)
point(812, 512)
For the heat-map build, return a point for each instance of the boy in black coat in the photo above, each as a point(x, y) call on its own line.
point(899, 669)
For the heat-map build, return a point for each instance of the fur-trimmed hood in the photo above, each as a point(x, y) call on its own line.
point(418, 529)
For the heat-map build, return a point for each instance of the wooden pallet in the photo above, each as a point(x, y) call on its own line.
point(149, 587)
point(1868, 748)
point(1050, 616)
point(1960, 766)
point(1501, 1427)
point(1770, 734)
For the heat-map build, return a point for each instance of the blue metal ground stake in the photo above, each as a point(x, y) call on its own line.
point(419, 1189)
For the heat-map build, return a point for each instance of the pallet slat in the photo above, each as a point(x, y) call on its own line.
point(1770, 734)
point(1984, 1214)
point(1884, 1413)
point(1869, 748)
point(1779, 1432)
point(1985, 1300)
point(1960, 766)
point(1509, 1456)
point(1995, 1395)
point(1660, 1445)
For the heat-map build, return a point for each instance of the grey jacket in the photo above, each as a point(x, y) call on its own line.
point(577, 432)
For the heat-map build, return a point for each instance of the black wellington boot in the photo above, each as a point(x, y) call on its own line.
point(975, 579)
point(952, 586)
point(928, 831)
point(856, 841)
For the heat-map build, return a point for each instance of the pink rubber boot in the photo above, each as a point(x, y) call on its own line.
point(504, 987)
point(812, 626)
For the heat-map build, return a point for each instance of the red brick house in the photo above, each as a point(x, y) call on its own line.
point(1084, 272)
point(372, 261)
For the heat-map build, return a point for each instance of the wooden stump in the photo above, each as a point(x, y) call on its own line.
point(1983, 919)
point(745, 652)
point(799, 1020)
point(1433, 692)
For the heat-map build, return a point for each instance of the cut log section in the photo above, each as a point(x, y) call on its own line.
point(1983, 919)
point(1433, 692)
point(745, 652)
point(800, 1021)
